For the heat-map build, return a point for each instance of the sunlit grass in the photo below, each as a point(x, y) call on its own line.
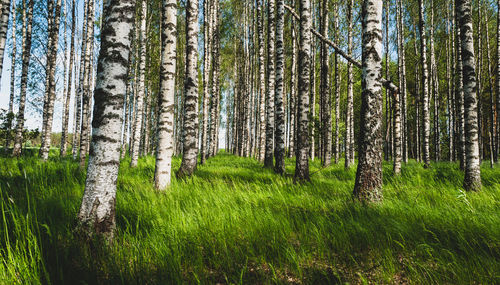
point(235, 222)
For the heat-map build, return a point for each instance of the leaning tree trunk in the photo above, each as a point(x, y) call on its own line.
point(271, 81)
point(190, 125)
point(325, 98)
point(425, 87)
point(12, 78)
point(302, 153)
point(368, 185)
point(87, 93)
point(349, 138)
point(4, 26)
point(279, 142)
point(166, 98)
point(50, 96)
point(139, 113)
point(27, 28)
point(64, 135)
point(472, 181)
point(97, 212)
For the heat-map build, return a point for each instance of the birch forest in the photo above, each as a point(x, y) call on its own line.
point(250, 142)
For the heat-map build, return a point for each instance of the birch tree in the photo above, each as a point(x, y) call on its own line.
point(349, 138)
point(65, 121)
point(190, 121)
point(279, 142)
point(141, 89)
point(262, 81)
point(302, 152)
point(425, 87)
point(4, 26)
point(50, 93)
point(325, 98)
point(12, 74)
point(271, 82)
point(26, 56)
point(472, 180)
point(166, 100)
point(87, 93)
point(368, 184)
point(97, 211)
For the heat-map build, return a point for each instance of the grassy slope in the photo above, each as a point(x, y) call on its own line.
point(234, 222)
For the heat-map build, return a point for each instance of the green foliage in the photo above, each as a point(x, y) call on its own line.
point(234, 222)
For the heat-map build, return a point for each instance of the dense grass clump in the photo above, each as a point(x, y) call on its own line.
point(235, 222)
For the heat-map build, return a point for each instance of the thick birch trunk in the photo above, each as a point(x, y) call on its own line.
point(97, 212)
point(190, 125)
point(302, 153)
point(472, 181)
point(166, 99)
point(279, 151)
point(368, 185)
point(271, 82)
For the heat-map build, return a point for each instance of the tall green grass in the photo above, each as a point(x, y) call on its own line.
point(235, 222)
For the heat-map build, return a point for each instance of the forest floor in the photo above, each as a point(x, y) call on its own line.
point(235, 222)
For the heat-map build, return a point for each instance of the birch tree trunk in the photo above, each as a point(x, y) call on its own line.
point(214, 111)
point(492, 130)
point(190, 124)
point(64, 135)
point(87, 93)
point(4, 27)
point(368, 185)
point(279, 151)
point(497, 151)
point(141, 92)
point(451, 118)
point(166, 99)
point(271, 82)
point(472, 181)
point(207, 60)
point(425, 87)
point(325, 98)
point(403, 88)
point(26, 56)
point(12, 77)
point(460, 95)
point(336, 148)
point(97, 212)
point(350, 104)
point(262, 81)
point(50, 96)
point(302, 153)
point(435, 89)
point(80, 92)
point(293, 90)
